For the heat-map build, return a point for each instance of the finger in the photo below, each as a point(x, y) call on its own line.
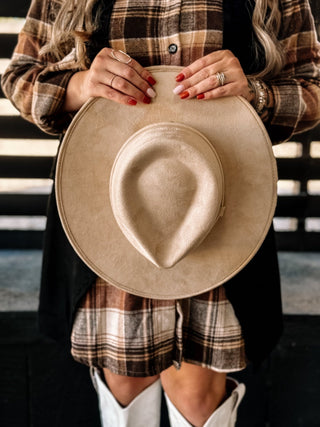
point(129, 82)
point(206, 85)
point(234, 75)
point(237, 86)
point(144, 74)
point(105, 66)
point(124, 58)
point(228, 64)
point(130, 69)
point(106, 54)
point(206, 76)
point(231, 89)
point(127, 88)
point(102, 78)
point(108, 92)
point(202, 63)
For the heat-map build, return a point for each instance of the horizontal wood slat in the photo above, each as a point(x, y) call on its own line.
point(17, 127)
point(14, 8)
point(39, 167)
point(33, 167)
point(286, 241)
point(25, 166)
point(23, 204)
point(7, 44)
point(299, 169)
point(298, 241)
point(301, 206)
point(35, 204)
point(21, 239)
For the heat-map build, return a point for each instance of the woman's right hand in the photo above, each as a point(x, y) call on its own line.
point(112, 75)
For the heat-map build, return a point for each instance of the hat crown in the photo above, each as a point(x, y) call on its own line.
point(166, 191)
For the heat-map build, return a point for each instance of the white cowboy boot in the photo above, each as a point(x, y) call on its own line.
point(224, 416)
point(143, 411)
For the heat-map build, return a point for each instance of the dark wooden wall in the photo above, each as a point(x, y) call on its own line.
point(302, 169)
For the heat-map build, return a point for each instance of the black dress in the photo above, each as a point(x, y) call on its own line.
point(254, 292)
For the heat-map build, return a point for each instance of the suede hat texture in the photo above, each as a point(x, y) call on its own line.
point(166, 200)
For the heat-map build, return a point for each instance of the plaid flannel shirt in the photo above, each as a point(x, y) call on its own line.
point(37, 87)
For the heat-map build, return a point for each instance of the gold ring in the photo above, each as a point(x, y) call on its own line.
point(221, 78)
point(114, 56)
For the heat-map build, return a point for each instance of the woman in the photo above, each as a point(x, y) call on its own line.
point(69, 51)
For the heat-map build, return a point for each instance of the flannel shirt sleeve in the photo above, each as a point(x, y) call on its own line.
point(297, 89)
point(35, 86)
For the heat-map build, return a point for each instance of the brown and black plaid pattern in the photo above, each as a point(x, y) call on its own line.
point(139, 336)
point(35, 86)
point(145, 29)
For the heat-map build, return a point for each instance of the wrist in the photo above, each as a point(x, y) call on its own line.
point(259, 94)
point(75, 95)
point(251, 93)
point(262, 97)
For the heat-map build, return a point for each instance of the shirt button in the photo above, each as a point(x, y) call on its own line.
point(173, 48)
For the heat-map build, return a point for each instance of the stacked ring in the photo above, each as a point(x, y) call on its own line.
point(221, 78)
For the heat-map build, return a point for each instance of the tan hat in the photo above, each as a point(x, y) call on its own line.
point(166, 200)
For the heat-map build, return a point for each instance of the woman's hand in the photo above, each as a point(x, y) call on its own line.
point(112, 75)
point(201, 78)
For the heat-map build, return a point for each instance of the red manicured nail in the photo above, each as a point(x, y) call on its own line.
point(146, 100)
point(179, 77)
point(184, 94)
point(151, 80)
point(200, 96)
point(132, 101)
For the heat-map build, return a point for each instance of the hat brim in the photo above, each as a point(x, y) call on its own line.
point(85, 161)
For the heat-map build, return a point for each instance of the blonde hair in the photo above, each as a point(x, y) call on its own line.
point(73, 26)
point(266, 22)
point(75, 23)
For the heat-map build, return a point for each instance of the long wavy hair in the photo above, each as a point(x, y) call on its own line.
point(77, 20)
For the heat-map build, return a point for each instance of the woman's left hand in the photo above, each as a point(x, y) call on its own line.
point(201, 78)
